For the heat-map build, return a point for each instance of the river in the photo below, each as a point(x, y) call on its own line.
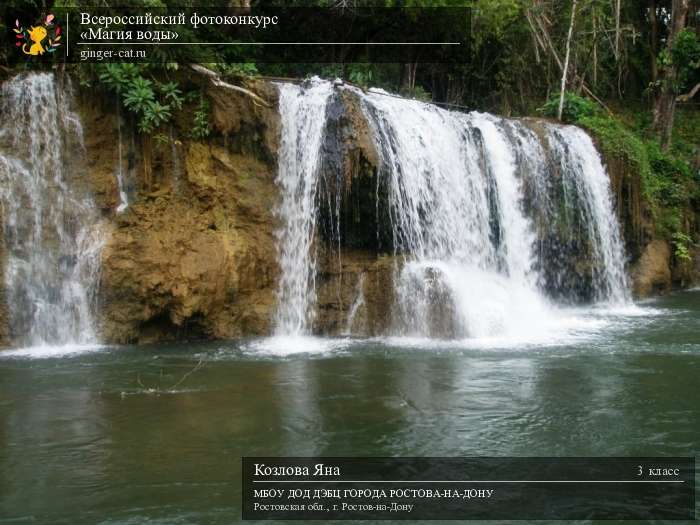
point(155, 434)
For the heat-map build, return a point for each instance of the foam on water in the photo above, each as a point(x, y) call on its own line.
point(49, 352)
point(282, 346)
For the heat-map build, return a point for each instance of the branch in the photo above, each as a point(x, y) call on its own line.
point(216, 80)
point(689, 95)
point(197, 367)
point(546, 42)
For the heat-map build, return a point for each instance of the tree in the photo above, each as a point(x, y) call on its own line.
point(665, 104)
point(566, 59)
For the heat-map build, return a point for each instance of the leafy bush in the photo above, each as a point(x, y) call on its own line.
point(667, 179)
point(172, 94)
point(200, 125)
point(138, 94)
point(118, 76)
point(235, 70)
point(153, 116)
point(686, 56)
point(681, 243)
point(617, 140)
point(575, 107)
point(151, 102)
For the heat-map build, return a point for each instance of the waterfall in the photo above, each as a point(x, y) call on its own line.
point(495, 223)
point(470, 196)
point(458, 219)
point(121, 182)
point(302, 111)
point(585, 178)
point(52, 246)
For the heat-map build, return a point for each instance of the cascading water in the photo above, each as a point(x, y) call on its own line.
point(585, 178)
point(494, 221)
point(52, 245)
point(464, 193)
point(356, 306)
point(457, 217)
point(302, 111)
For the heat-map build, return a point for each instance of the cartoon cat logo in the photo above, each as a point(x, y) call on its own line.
point(37, 35)
point(41, 38)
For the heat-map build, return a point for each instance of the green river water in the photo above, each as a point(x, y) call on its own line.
point(155, 434)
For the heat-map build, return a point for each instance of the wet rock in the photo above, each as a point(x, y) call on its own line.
point(652, 274)
point(353, 204)
point(198, 266)
point(358, 280)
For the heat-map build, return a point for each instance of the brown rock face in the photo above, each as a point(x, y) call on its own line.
point(197, 266)
point(354, 293)
point(194, 255)
point(652, 273)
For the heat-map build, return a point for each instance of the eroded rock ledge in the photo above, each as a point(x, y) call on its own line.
point(193, 256)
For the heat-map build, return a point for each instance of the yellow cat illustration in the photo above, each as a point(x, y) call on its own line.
point(36, 34)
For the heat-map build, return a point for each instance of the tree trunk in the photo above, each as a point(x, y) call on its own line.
point(653, 40)
point(617, 30)
point(146, 148)
point(665, 105)
point(408, 77)
point(595, 49)
point(566, 59)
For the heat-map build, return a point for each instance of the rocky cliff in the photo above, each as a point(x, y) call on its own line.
point(193, 255)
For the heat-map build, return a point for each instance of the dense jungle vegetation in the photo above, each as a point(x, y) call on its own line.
point(627, 70)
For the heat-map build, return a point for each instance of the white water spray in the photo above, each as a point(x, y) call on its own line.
point(481, 218)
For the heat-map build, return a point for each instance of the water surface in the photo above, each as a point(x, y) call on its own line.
point(154, 434)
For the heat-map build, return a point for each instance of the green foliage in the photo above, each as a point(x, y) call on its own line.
point(419, 93)
point(686, 56)
point(575, 107)
point(150, 101)
point(493, 19)
point(667, 178)
point(200, 125)
point(235, 70)
point(681, 244)
point(172, 94)
point(153, 116)
point(361, 74)
point(161, 139)
point(670, 173)
point(117, 77)
point(618, 140)
point(138, 94)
